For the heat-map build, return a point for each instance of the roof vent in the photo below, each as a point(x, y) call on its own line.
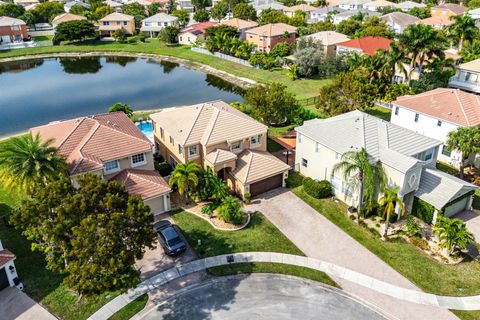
point(109, 122)
point(450, 113)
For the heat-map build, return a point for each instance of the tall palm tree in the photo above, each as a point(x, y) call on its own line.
point(185, 176)
point(389, 201)
point(466, 141)
point(422, 42)
point(27, 162)
point(395, 58)
point(462, 29)
point(359, 172)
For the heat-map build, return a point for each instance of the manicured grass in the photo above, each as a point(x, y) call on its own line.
point(42, 38)
point(380, 112)
point(467, 315)
point(273, 146)
point(304, 88)
point(445, 167)
point(431, 276)
point(277, 131)
point(131, 309)
point(260, 235)
point(41, 284)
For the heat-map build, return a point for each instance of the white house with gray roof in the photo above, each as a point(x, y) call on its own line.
point(399, 21)
point(408, 5)
point(408, 159)
point(151, 26)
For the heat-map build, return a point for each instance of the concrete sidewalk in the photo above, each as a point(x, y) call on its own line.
point(15, 304)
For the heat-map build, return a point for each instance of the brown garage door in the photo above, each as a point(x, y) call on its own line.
point(266, 184)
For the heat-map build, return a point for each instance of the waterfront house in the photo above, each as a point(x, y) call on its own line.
point(241, 25)
point(265, 37)
point(110, 145)
point(12, 30)
point(116, 21)
point(194, 33)
point(218, 136)
point(364, 45)
point(151, 26)
point(64, 17)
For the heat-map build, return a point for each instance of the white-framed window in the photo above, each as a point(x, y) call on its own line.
point(439, 123)
point(336, 182)
point(304, 162)
point(429, 155)
point(299, 135)
point(111, 166)
point(162, 134)
point(256, 140)
point(236, 146)
point(138, 159)
point(347, 189)
point(106, 23)
point(338, 156)
point(172, 141)
point(317, 147)
point(193, 151)
point(416, 117)
point(180, 149)
point(396, 111)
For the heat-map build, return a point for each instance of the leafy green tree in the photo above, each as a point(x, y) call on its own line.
point(299, 19)
point(155, 8)
point(308, 60)
point(331, 66)
point(169, 34)
point(222, 30)
point(46, 11)
point(462, 29)
point(210, 186)
point(185, 176)
point(421, 13)
point(323, 26)
point(94, 4)
point(388, 202)
point(473, 4)
point(119, 35)
point(363, 175)
point(76, 30)
point(292, 72)
point(244, 11)
point(375, 27)
point(200, 4)
point(119, 106)
point(452, 233)
point(201, 15)
point(93, 234)
point(11, 10)
point(219, 11)
point(136, 10)
point(396, 90)
point(29, 18)
point(78, 10)
point(230, 210)
point(466, 141)
point(272, 16)
point(101, 12)
point(471, 51)
point(182, 16)
point(280, 50)
point(271, 103)
point(27, 162)
point(349, 27)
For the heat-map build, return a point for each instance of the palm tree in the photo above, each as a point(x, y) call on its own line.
point(185, 176)
point(422, 42)
point(119, 106)
point(395, 58)
point(462, 29)
point(452, 233)
point(26, 162)
point(466, 141)
point(471, 51)
point(389, 201)
point(358, 171)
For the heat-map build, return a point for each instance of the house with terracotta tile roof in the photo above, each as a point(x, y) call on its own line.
point(266, 37)
point(8, 272)
point(112, 146)
point(194, 33)
point(241, 25)
point(216, 135)
point(448, 9)
point(437, 22)
point(437, 112)
point(364, 45)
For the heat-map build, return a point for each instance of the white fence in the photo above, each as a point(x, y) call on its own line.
point(222, 56)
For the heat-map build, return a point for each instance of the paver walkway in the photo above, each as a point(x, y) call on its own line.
point(319, 238)
point(15, 304)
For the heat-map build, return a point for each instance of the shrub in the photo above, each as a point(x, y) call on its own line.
point(119, 35)
point(419, 243)
point(207, 210)
point(163, 168)
point(423, 210)
point(413, 229)
point(230, 210)
point(248, 197)
point(317, 189)
point(294, 179)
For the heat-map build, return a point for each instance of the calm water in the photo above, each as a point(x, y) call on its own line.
point(36, 92)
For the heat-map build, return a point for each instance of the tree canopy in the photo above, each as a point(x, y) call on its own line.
point(201, 15)
point(169, 34)
point(46, 11)
point(76, 30)
point(11, 10)
point(244, 11)
point(119, 106)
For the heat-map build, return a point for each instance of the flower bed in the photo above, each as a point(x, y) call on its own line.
point(216, 222)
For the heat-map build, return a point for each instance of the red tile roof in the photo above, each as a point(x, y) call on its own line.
point(198, 28)
point(145, 183)
point(89, 142)
point(369, 45)
point(6, 256)
point(452, 105)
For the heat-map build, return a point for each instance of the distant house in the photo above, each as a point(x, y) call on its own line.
point(408, 5)
point(25, 3)
point(347, 14)
point(290, 11)
point(116, 21)
point(399, 21)
point(185, 5)
point(151, 26)
point(352, 4)
point(475, 14)
point(64, 17)
point(329, 40)
point(70, 4)
point(8, 272)
point(467, 77)
point(194, 33)
point(364, 45)
point(12, 30)
point(217, 136)
point(448, 9)
point(324, 14)
point(264, 38)
point(117, 6)
point(241, 25)
point(377, 5)
point(437, 22)
point(437, 112)
point(261, 5)
point(110, 145)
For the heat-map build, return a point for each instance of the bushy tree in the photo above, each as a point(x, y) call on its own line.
point(46, 11)
point(200, 4)
point(323, 26)
point(375, 27)
point(271, 103)
point(78, 10)
point(201, 15)
point(219, 11)
point(210, 186)
point(182, 16)
point(332, 65)
point(136, 10)
point(11, 10)
point(230, 210)
point(76, 30)
point(452, 233)
point(471, 51)
point(308, 60)
point(349, 27)
point(222, 30)
point(120, 106)
point(280, 50)
point(169, 34)
point(272, 16)
point(244, 11)
point(421, 13)
point(119, 35)
point(155, 8)
point(299, 19)
point(93, 234)
point(101, 12)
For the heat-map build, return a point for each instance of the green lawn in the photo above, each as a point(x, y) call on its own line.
point(445, 167)
point(304, 88)
point(273, 146)
point(131, 309)
point(42, 38)
point(260, 235)
point(41, 284)
point(380, 112)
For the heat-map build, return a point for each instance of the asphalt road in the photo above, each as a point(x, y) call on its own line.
point(260, 296)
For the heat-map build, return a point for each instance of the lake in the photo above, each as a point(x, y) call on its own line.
point(35, 92)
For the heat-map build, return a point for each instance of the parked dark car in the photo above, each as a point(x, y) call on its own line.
point(170, 239)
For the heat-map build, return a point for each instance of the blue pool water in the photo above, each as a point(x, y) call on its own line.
point(146, 128)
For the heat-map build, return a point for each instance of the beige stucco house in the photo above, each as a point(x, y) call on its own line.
point(115, 21)
point(65, 17)
point(266, 37)
point(110, 145)
point(408, 159)
point(216, 135)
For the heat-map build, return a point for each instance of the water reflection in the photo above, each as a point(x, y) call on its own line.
point(81, 65)
point(123, 61)
point(18, 66)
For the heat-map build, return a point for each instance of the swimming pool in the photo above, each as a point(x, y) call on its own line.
point(147, 128)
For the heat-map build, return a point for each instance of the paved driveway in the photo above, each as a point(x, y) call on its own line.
point(14, 304)
point(317, 237)
point(472, 219)
point(260, 296)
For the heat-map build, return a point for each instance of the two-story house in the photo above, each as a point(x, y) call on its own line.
point(437, 112)
point(261, 5)
point(290, 11)
point(407, 158)
point(266, 37)
point(467, 77)
point(241, 25)
point(378, 5)
point(328, 40)
point(399, 21)
point(12, 30)
point(151, 26)
point(110, 145)
point(116, 21)
point(324, 14)
point(352, 4)
point(448, 9)
point(216, 135)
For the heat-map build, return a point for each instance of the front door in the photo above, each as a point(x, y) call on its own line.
point(3, 279)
